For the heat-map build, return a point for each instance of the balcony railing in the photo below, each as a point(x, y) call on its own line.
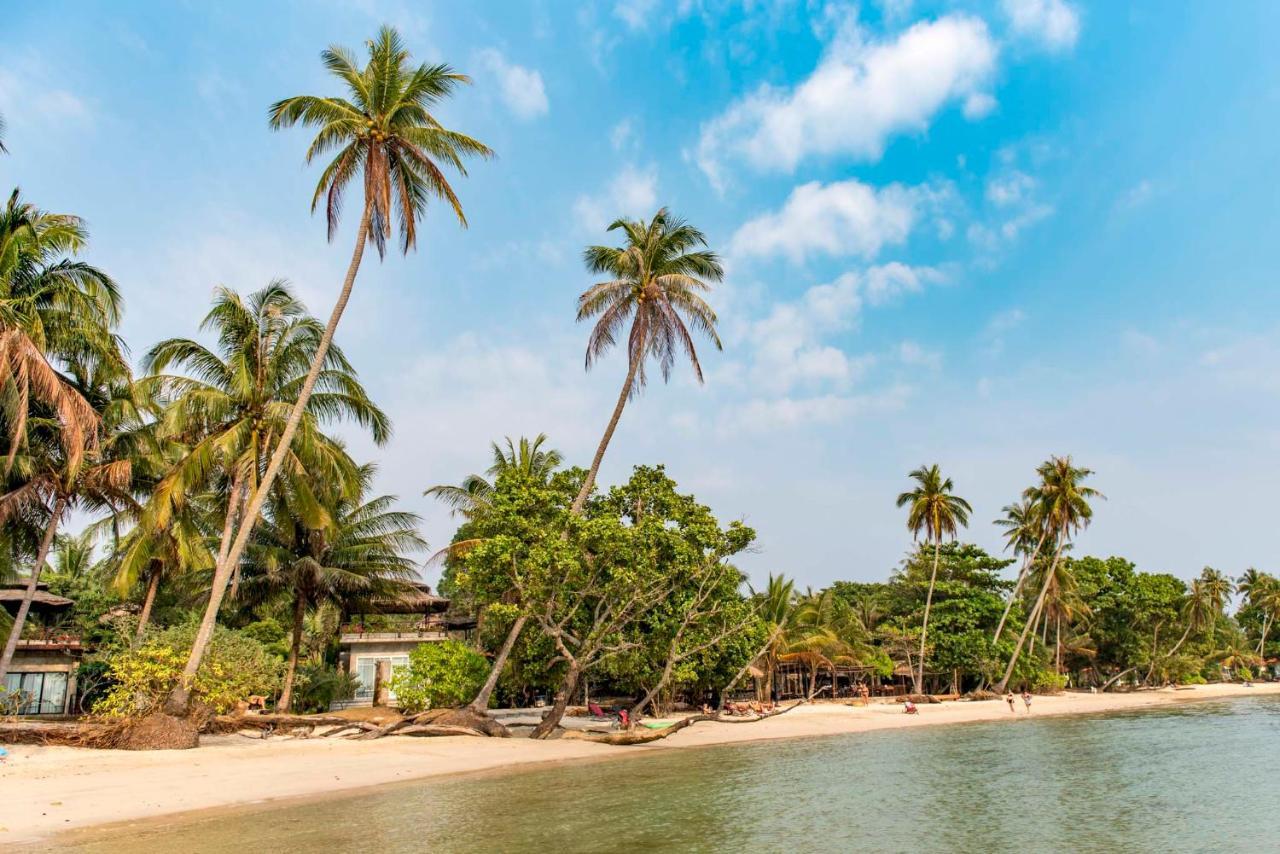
point(354, 634)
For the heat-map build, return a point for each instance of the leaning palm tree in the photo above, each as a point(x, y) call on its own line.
point(360, 552)
point(1064, 510)
point(1262, 591)
point(385, 134)
point(226, 409)
point(935, 511)
point(775, 605)
point(653, 292)
point(53, 309)
point(1024, 535)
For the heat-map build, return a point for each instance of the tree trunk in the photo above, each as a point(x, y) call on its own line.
point(1058, 642)
point(928, 603)
point(481, 703)
point(1266, 626)
point(733, 683)
point(144, 617)
point(1017, 588)
point(180, 699)
point(295, 645)
point(1031, 619)
point(608, 434)
point(15, 631)
point(567, 688)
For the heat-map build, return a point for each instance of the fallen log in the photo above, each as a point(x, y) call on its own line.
point(435, 730)
point(635, 735)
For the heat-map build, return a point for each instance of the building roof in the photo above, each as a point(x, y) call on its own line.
point(11, 594)
point(417, 599)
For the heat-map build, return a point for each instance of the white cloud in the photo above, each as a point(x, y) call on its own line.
point(1136, 196)
point(862, 92)
point(1054, 24)
point(913, 355)
point(521, 88)
point(1010, 189)
point(621, 135)
point(993, 334)
point(632, 193)
point(636, 14)
point(28, 93)
point(789, 346)
point(762, 416)
point(841, 219)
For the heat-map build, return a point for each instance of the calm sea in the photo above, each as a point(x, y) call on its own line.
point(1202, 777)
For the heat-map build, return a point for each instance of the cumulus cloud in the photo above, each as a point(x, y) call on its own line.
point(765, 415)
point(521, 88)
point(632, 193)
point(1053, 24)
point(841, 219)
point(789, 345)
point(862, 92)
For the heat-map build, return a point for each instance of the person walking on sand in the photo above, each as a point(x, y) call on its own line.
point(1026, 698)
point(1008, 698)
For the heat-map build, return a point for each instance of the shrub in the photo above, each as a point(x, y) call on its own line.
point(1048, 682)
point(235, 667)
point(1192, 679)
point(317, 686)
point(448, 673)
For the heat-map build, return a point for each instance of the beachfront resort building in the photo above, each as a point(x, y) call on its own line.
point(378, 641)
point(43, 672)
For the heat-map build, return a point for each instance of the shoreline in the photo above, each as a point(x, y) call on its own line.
point(78, 792)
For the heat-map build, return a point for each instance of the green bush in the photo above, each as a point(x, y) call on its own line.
point(317, 686)
point(1048, 682)
point(448, 673)
point(235, 667)
point(1192, 679)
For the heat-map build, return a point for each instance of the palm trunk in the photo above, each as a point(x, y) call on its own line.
point(1031, 619)
point(928, 603)
point(608, 434)
point(144, 617)
point(1017, 588)
point(1058, 642)
point(553, 718)
point(295, 645)
point(481, 703)
point(1266, 626)
point(180, 699)
point(15, 631)
point(733, 683)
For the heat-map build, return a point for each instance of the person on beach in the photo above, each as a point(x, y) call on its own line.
point(1008, 698)
point(1026, 698)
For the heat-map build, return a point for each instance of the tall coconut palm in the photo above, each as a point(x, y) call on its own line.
point(1064, 510)
point(1262, 591)
point(653, 291)
point(385, 134)
point(1062, 604)
point(360, 552)
point(227, 407)
point(53, 309)
point(1024, 535)
point(934, 511)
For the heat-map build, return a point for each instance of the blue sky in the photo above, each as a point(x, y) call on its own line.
point(970, 233)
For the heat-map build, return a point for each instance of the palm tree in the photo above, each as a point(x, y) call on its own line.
point(776, 607)
point(3, 150)
point(49, 488)
point(226, 410)
point(359, 552)
point(1205, 601)
point(654, 282)
point(934, 511)
point(1262, 591)
point(475, 492)
point(1024, 535)
point(73, 553)
point(473, 498)
point(1064, 509)
point(52, 309)
point(1062, 603)
point(385, 133)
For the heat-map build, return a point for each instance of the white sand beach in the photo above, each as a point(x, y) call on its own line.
point(50, 790)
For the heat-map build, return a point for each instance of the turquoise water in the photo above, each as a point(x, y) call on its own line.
point(1201, 777)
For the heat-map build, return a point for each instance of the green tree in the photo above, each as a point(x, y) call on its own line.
point(228, 407)
point(934, 511)
point(358, 550)
point(384, 133)
point(1024, 534)
point(654, 285)
point(439, 675)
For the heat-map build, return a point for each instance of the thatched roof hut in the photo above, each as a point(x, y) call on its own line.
point(43, 603)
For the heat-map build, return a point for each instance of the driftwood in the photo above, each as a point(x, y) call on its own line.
point(642, 735)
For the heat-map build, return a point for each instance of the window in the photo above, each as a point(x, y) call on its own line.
point(46, 693)
point(366, 669)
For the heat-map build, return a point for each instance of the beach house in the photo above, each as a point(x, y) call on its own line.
point(43, 674)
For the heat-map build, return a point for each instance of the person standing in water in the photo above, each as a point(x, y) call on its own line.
point(1026, 698)
point(1008, 698)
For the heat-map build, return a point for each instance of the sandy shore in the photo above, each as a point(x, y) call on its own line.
point(48, 790)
